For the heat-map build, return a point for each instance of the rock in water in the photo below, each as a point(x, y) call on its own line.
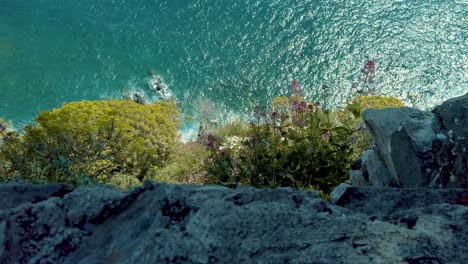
point(158, 86)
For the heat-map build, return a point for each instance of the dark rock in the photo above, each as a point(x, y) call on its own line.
point(403, 136)
point(436, 212)
point(419, 149)
point(411, 152)
point(453, 115)
point(18, 193)
point(356, 164)
point(451, 145)
point(338, 192)
point(379, 175)
point(212, 224)
point(359, 178)
point(384, 201)
point(371, 172)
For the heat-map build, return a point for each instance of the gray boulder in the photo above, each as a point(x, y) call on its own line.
point(370, 170)
point(160, 223)
point(404, 138)
point(377, 172)
point(420, 210)
point(419, 149)
point(356, 178)
point(384, 201)
point(453, 115)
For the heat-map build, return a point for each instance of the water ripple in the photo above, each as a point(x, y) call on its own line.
point(235, 53)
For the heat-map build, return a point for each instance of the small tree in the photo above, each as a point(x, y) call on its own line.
point(95, 140)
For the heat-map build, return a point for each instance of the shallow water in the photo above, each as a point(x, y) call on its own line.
point(234, 53)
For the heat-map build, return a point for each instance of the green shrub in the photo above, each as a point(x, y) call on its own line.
point(294, 143)
point(186, 166)
point(298, 147)
point(10, 147)
point(91, 141)
point(360, 103)
point(234, 128)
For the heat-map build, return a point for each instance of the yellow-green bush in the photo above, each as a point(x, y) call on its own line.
point(361, 103)
point(95, 140)
point(9, 140)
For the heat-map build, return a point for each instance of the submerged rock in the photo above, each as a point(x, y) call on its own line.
point(160, 223)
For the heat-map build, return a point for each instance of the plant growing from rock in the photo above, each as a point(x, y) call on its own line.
point(294, 143)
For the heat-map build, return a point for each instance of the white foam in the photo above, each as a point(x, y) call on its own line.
point(158, 86)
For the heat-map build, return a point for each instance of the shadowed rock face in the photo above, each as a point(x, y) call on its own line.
point(416, 148)
point(451, 147)
point(160, 223)
point(14, 194)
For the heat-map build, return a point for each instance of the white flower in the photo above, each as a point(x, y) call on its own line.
point(222, 148)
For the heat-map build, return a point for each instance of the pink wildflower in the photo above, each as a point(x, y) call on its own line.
point(295, 88)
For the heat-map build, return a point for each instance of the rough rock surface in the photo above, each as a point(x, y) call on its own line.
point(13, 194)
point(370, 170)
point(418, 149)
point(160, 223)
point(451, 145)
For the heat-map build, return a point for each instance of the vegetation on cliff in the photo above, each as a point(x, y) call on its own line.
point(293, 142)
point(92, 141)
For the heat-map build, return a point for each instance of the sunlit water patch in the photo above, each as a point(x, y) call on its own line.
point(233, 53)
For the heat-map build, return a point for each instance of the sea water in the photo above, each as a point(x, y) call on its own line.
point(232, 53)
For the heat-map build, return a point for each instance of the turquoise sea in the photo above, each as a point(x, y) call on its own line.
point(235, 53)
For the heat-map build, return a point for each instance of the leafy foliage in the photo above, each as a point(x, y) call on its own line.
point(234, 128)
point(187, 165)
point(9, 141)
point(294, 143)
point(92, 141)
point(297, 146)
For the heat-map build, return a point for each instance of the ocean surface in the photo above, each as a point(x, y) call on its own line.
point(233, 53)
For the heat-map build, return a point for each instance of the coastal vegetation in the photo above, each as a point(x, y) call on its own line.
point(91, 142)
point(292, 142)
